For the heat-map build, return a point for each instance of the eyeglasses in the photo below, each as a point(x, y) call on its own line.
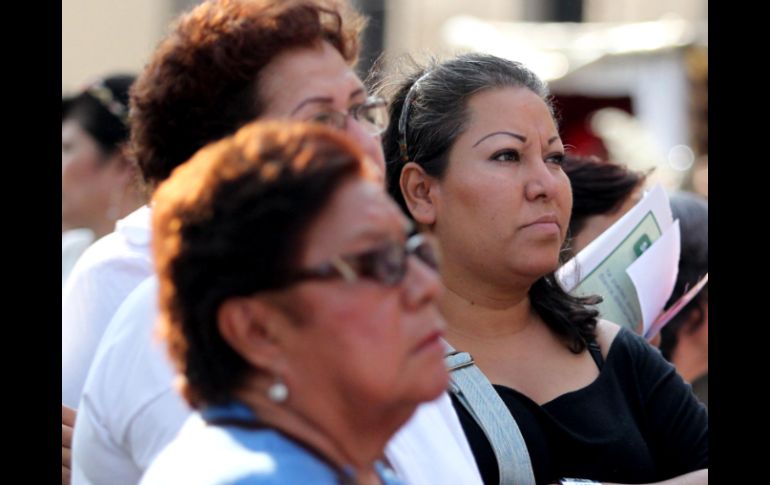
point(386, 264)
point(372, 114)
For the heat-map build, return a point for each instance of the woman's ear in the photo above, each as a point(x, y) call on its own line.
point(695, 319)
point(247, 325)
point(420, 191)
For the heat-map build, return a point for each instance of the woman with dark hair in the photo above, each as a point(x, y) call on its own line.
point(473, 154)
point(97, 179)
point(301, 320)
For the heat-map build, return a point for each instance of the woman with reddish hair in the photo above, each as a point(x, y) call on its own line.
point(301, 319)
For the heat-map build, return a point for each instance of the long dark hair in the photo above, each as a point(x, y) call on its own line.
point(436, 115)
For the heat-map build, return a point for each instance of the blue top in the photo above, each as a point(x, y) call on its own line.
point(224, 445)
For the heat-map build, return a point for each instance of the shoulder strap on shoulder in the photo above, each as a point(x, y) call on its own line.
point(476, 394)
point(596, 353)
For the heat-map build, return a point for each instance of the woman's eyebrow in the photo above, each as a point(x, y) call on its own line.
point(325, 99)
point(515, 135)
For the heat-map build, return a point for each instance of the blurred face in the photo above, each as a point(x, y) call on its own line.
point(376, 345)
point(84, 181)
point(303, 82)
point(503, 206)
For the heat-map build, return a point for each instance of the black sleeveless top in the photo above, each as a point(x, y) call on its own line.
point(638, 422)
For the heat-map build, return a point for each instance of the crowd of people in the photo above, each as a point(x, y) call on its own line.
point(299, 278)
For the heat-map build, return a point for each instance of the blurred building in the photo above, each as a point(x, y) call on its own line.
point(630, 76)
point(105, 36)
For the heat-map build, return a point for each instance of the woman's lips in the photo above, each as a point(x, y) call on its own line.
point(546, 224)
point(433, 339)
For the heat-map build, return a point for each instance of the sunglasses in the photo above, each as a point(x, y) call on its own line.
point(386, 264)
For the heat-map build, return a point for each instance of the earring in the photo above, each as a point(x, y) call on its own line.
point(278, 392)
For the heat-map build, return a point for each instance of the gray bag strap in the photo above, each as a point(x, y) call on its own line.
point(476, 394)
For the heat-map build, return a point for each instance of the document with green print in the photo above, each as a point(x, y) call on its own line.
point(632, 265)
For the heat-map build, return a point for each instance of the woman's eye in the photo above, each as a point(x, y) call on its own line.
point(354, 109)
point(557, 159)
point(322, 117)
point(506, 156)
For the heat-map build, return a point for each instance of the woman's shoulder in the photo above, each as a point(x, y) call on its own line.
point(606, 333)
point(624, 345)
point(208, 454)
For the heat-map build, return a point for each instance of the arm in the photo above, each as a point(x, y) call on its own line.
point(100, 281)
point(67, 425)
point(129, 410)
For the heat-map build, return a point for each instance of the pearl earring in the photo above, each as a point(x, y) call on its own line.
point(278, 392)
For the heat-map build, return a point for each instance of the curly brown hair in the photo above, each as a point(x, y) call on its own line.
point(231, 222)
point(202, 82)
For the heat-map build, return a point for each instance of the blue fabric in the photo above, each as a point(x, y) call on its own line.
point(229, 454)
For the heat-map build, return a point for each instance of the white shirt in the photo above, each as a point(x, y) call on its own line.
point(101, 279)
point(73, 243)
point(431, 448)
point(130, 411)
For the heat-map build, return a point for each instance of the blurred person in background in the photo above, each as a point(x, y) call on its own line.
point(474, 156)
point(99, 182)
point(684, 340)
point(223, 64)
point(301, 319)
point(602, 192)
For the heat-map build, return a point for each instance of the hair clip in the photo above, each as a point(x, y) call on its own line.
point(106, 98)
point(403, 118)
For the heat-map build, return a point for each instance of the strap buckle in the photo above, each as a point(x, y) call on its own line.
point(457, 360)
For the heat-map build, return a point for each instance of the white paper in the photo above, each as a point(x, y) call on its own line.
point(655, 202)
point(654, 275)
point(600, 268)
